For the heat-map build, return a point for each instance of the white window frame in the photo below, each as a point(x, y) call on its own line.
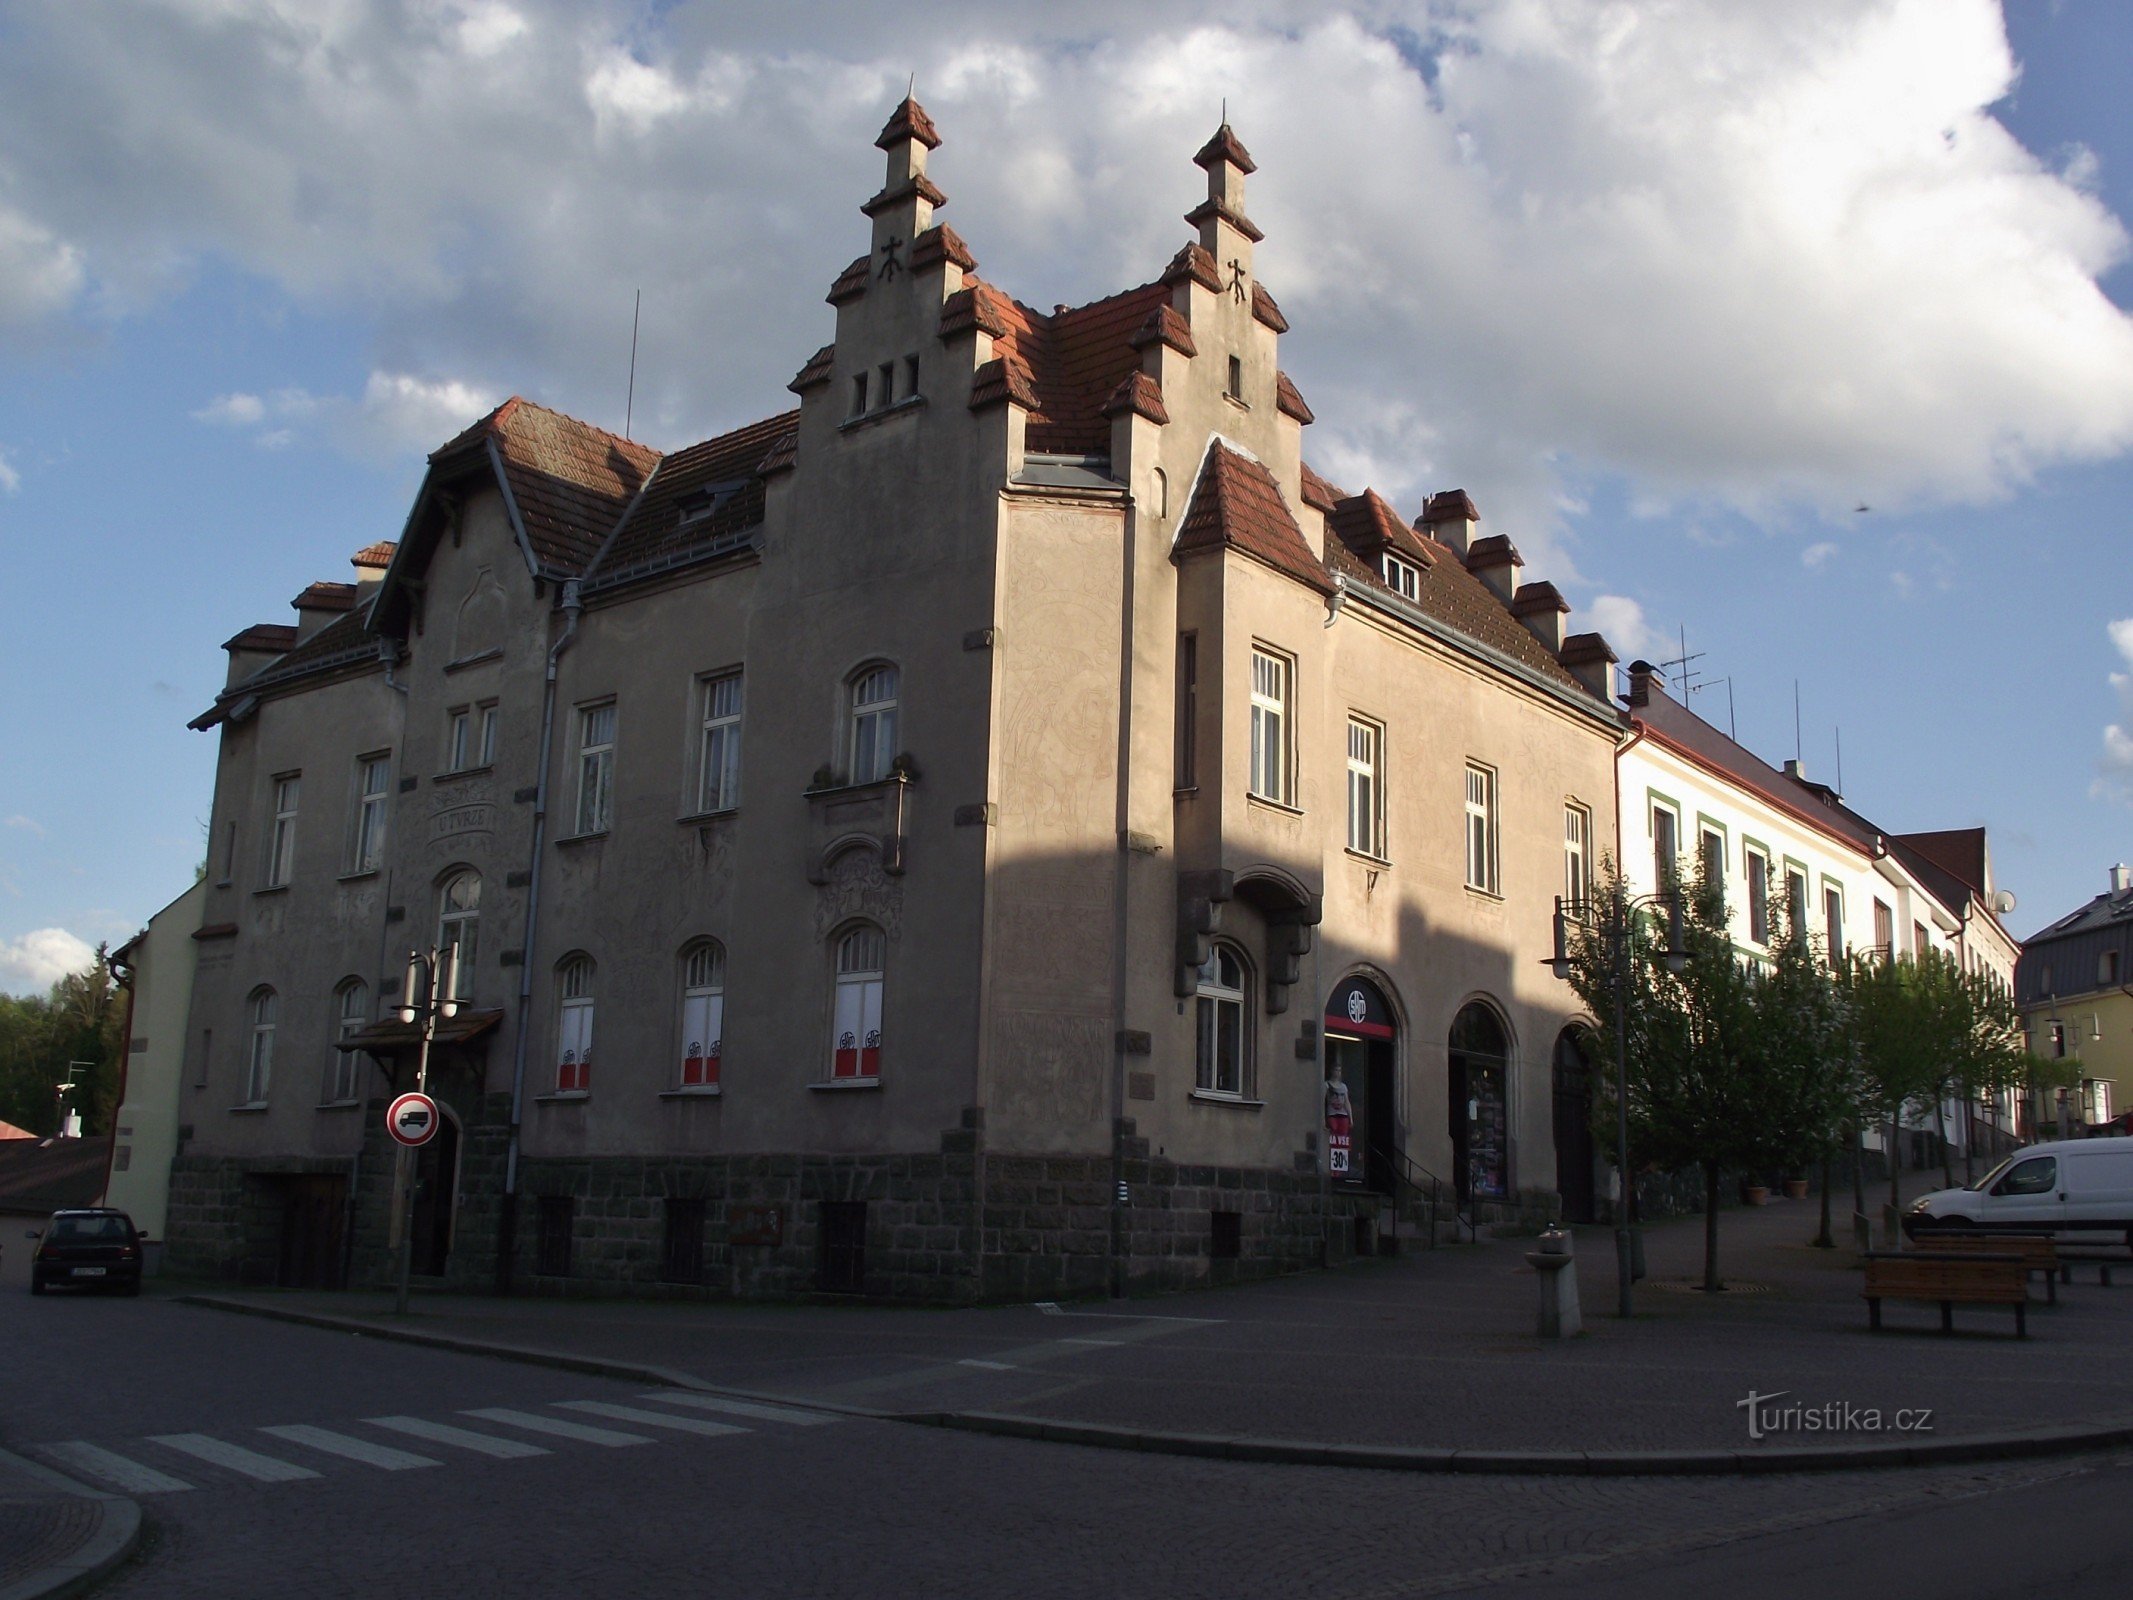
point(459, 927)
point(458, 739)
point(1483, 864)
point(1577, 852)
point(373, 811)
point(351, 1010)
point(1402, 576)
point(718, 750)
point(1272, 749)
point(874, 708)
point(598, 724)
point(485, 733)
point(1222, 1033)
point(703, 1014)
point(574, 1024)
point(265, 1008)
point(862, 960)
point(281, 835)
point(1366, 787)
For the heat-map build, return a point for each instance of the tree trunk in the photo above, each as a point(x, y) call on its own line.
point(1858, 1171)
point(1895, 1134)
point(1711, 1285)
point(1825, 1240)
point(1947, 1145)
point(1969, 1140)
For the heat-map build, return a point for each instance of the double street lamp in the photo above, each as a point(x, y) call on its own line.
point(1612, 919)
point(429, 995)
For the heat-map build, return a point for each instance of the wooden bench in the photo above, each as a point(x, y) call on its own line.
point(2035, 1249)
point(1947, 1278)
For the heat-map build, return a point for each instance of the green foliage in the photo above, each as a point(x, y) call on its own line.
point(81, 1018)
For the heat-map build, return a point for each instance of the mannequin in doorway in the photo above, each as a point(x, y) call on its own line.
point(1339, 1125)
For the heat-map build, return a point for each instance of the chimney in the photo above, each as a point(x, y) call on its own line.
point(320, 604)
point(1590, 661)
point(1495, 561)
point(1643, 679)
point(2121, 878)
point(370, 563)
point(1795, 770)
point(1541, 608)
point(1449, 518)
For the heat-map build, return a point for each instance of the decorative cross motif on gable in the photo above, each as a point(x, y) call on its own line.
point(889, 261)
point(1236, 278)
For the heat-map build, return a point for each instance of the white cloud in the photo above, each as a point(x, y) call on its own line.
point(1818, 555)
point(10, 479)
point(2114, 778)
point(40, 274)
point(26, 824)
point(397, 414)
point(232, 410)
point(40, 958)
point(1621, 619)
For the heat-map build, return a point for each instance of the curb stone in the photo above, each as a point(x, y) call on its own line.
point(2056, 1440)
point(111, 1545)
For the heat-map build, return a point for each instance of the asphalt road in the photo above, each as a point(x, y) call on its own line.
point(261, 1455)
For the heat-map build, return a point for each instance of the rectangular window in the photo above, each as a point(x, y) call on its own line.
point(1921, 941)
point(1185, 764)
point(353, 1005)
point(1833, 923)
point(887, 374)
point(1481, 857)
point(1712, 846)
point(1366, 795)
point(281, 838)
point(1796, 902)
point(1236, 378)
point(366, 850)
point(1758, 897)
point(596, 768)
point(1270, 727)
point(720, 755)
point(574, 1030)
point(485, 733)
point(1402, 578)
point(910, 376)
point(2107, 968)
point(459, 739)
point(1884, 931)
point(1577, 853)
point(555, 1215)
point(859, 394)
point(1666, 847)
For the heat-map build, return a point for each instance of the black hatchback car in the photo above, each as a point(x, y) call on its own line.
point(88, 1249)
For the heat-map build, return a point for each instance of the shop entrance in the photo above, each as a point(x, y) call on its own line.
point(1573, 1128)
point(1360, 1055)
point(1479, 1058)
point(436, 1197)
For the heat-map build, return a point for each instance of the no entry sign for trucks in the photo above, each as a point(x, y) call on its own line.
point(412, 1119)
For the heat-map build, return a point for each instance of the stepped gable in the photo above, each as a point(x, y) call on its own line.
point(279, 637)
point(817, 370)
point(1289, 400)
point(326, 595)
point(375, 555)
point(941, 243)
point(1075, 359)
point(571, 481)
point(1369, 527)
point(1318, 492)
point(697, 501)
point(1237, 505)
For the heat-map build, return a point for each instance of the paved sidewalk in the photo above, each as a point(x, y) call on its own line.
point(58, 1537)
point(1433, 1352)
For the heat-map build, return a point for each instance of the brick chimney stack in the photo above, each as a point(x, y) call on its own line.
point(1643, 678)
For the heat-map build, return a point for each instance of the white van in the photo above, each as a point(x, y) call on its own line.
point(2070, 1186)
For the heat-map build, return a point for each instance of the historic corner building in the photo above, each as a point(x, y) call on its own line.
point(942, 840)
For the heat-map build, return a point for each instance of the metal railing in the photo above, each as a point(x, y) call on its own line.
point(1431, 1191)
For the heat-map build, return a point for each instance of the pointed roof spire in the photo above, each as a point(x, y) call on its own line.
point(1226, 146)
point(909, 121)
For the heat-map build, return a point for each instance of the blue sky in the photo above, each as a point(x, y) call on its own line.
point(1670, 289)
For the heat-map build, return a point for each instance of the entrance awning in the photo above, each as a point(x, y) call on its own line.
point(393, 1037)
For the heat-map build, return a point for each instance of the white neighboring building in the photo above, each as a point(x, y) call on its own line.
point(157, 964)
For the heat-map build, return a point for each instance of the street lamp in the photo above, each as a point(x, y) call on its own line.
point(1616, 924)
point(429, 995)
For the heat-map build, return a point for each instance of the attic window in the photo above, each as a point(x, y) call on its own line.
point(1401, 577)
point(1236, 379)
point(700, 505)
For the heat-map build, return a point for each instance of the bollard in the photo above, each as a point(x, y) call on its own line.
point(1555, 1264)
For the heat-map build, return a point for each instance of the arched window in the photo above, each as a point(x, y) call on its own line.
point(259, 1060)
point(1221, 1052)
point(458, 924)
point(861, 955)
point(703, 1013)
point(874, 706)
point(574, 1025)
point(351, 1009)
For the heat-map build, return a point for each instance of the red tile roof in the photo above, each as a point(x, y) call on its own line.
point(1071, 363)
point(817, 370)
point(909, 121)
point(570, 480)
point(1235, 218)
point(891, 194)
point(374, 555)
point(1139, 394)
point(1237, 505)
point(1264, 309)
point(274, 636)
point(1370, 527)
point(1959, 852)
point(941, 243)
point(1318, 492)
point(698, 501)
point(1289, 400)
point(1166, 325)
point(1195, 263)
point(851, 282)
point(325, 596)
point(1448, 504)
point(1225, 146)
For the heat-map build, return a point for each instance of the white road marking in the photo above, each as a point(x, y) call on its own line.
point(989, 1366)
point(742, 1408)
point(557, 1426)
point(487, 1444)
point(1072, 1338)
point(114, 1468)
point(340, 1444)
point(267, 1469)
point(650, 1419)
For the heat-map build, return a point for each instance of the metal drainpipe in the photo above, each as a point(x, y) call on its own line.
point(507, 1221)
point(1121, 1195)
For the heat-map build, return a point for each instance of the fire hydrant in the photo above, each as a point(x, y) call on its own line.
point(1555, 1264)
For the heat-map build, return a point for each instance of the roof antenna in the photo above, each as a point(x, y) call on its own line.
point(911, 88)
point(1225, 111)
point(1797, 753)
point(1840, 763)
point(629, 406)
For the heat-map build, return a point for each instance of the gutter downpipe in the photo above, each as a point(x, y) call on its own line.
point(507, 1220)
point(1122, 913)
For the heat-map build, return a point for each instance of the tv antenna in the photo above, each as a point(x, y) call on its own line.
point(629, 406)
point(1692, 684)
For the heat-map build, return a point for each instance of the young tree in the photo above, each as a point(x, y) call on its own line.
point(1809, 1059)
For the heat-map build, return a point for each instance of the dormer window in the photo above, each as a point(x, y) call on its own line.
point(699, 505)
point(1402, 577)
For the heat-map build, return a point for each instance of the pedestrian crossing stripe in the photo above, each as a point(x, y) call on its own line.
point(760, 1410)
point(487, 1444)
point(114, 1468)
point(650, 1419)
point(340, 1444)
point(557, 1426)
point(217, 1452)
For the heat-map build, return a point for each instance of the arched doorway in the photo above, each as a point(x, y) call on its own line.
point(1573, 1127)
point(436, 1198)
point(1479, 1056)
point(1361, 1035)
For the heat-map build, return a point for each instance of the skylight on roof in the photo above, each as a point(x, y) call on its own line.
point(699, 504)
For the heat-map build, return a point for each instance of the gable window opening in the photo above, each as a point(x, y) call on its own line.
point(1481, 849)
point(911, 377)
point(1795, 903)
point(1402, 577)
point(351, 1012)
point(1713, 846)
point(1366, 801)
point(862, 956)
point(719, 757)
point(1885, 932)
point(1236, 379)
point(470, 737)
point(1666, 847)
point(596, 768)
point(703, 1015)
point(574, 1026)
point(859, 394)
point(887, 373)
point(1220, 1042)
point(458, 924)
point(281, 840)
point(1577, 854)
point(1269, 778)
point(259, 1060)
point(874, 714)
point(1758, 897)
point(1833, 924)
point(2107, 969)
point(373, 785)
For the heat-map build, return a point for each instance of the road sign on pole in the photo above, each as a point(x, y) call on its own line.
point(412, 1119)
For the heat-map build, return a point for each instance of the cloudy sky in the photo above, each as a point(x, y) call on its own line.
point(1799, 328)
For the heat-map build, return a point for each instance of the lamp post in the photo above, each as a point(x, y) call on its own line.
point(1616, 925)
point(429, 995)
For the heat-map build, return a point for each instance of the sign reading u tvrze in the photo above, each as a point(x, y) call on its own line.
point(412, 1119)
